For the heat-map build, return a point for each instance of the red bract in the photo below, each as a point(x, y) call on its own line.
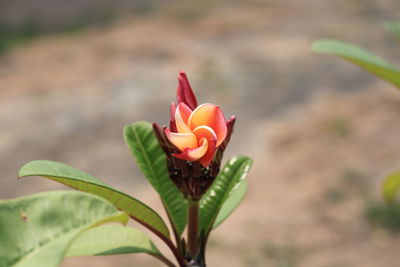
point(184, 92)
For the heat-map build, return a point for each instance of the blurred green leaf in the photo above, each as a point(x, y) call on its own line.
point(230, 177)
point(231, 203)
point(37, 230)
point(82, 181)
point(391, 186)
point(111, 240)
point(394, 27)
point(11, 35)
point(153, 163)
point(383, 216)
point(359, 57)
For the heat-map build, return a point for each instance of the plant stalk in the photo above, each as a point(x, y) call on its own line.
point(193, 229)
point(163, 259)
point(176, 235)
point(167, 241)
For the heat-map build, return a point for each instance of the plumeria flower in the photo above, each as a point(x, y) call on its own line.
point(198, 134)
point(197, 131)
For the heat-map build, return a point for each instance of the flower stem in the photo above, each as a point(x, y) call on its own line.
point(176, 235)
point(167, 241)
point(193, 229)
point(163, 259)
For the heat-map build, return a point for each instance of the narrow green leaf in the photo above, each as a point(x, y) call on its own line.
point(230, 177)
point(394, 27)
point(391, 186)
point(111, 240)
point(82, 181)
point(231, 203)
point(359, 57)
point(36, 231)
point(152, 161)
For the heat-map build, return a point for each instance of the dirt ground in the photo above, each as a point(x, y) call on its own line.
point(322, 133)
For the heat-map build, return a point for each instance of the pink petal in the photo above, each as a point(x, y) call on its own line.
point(172, 109)
point(185, 93)
point(182, 114)
point(172, 124)
point(209, 115)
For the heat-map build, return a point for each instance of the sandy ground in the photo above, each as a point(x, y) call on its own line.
point(322, 133)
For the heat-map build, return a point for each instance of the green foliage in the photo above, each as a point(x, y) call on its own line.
point(37, 230)
point(394, 27)
point(72, 238)
point(359, 57)
point(20, 34)
point(152, 161)
point(384, 215)
point(228, 180)
point(11, 36)
point(391, 186)
point(231, 203)
point(111, 240)
point(81, 181)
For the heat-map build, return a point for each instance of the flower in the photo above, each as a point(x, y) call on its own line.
point(195, 141)
point(197, 131)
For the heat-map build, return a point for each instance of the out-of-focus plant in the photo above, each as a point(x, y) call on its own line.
point(388, 216)
point(361, 57)
point(394, 27)
point(182, 163)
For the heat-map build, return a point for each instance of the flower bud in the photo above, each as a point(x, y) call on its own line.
point(195, 142)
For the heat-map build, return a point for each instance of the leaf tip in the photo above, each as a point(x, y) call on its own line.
point(324, 45)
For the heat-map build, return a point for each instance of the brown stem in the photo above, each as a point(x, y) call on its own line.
point(166, 240)
point(176, 235)
point(193, 228)
point(174, 250)
point(163, 259)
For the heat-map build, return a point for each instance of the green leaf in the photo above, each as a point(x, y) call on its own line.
point(391, 186)
point(231, 203)
point(360, 57)
point(111, 240)
point(230, 177)
point(394, 27)
point(153, 163)
point(79, 180)
point(37, 230)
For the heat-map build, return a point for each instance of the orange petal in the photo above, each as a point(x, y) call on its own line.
point(209, 134)
point(182, 114)
point(209, 115)
point(193, 154)
point(182, 140)
point(205, 132)
point(197, 153)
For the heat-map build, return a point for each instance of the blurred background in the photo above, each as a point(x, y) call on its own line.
point(322, 133)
